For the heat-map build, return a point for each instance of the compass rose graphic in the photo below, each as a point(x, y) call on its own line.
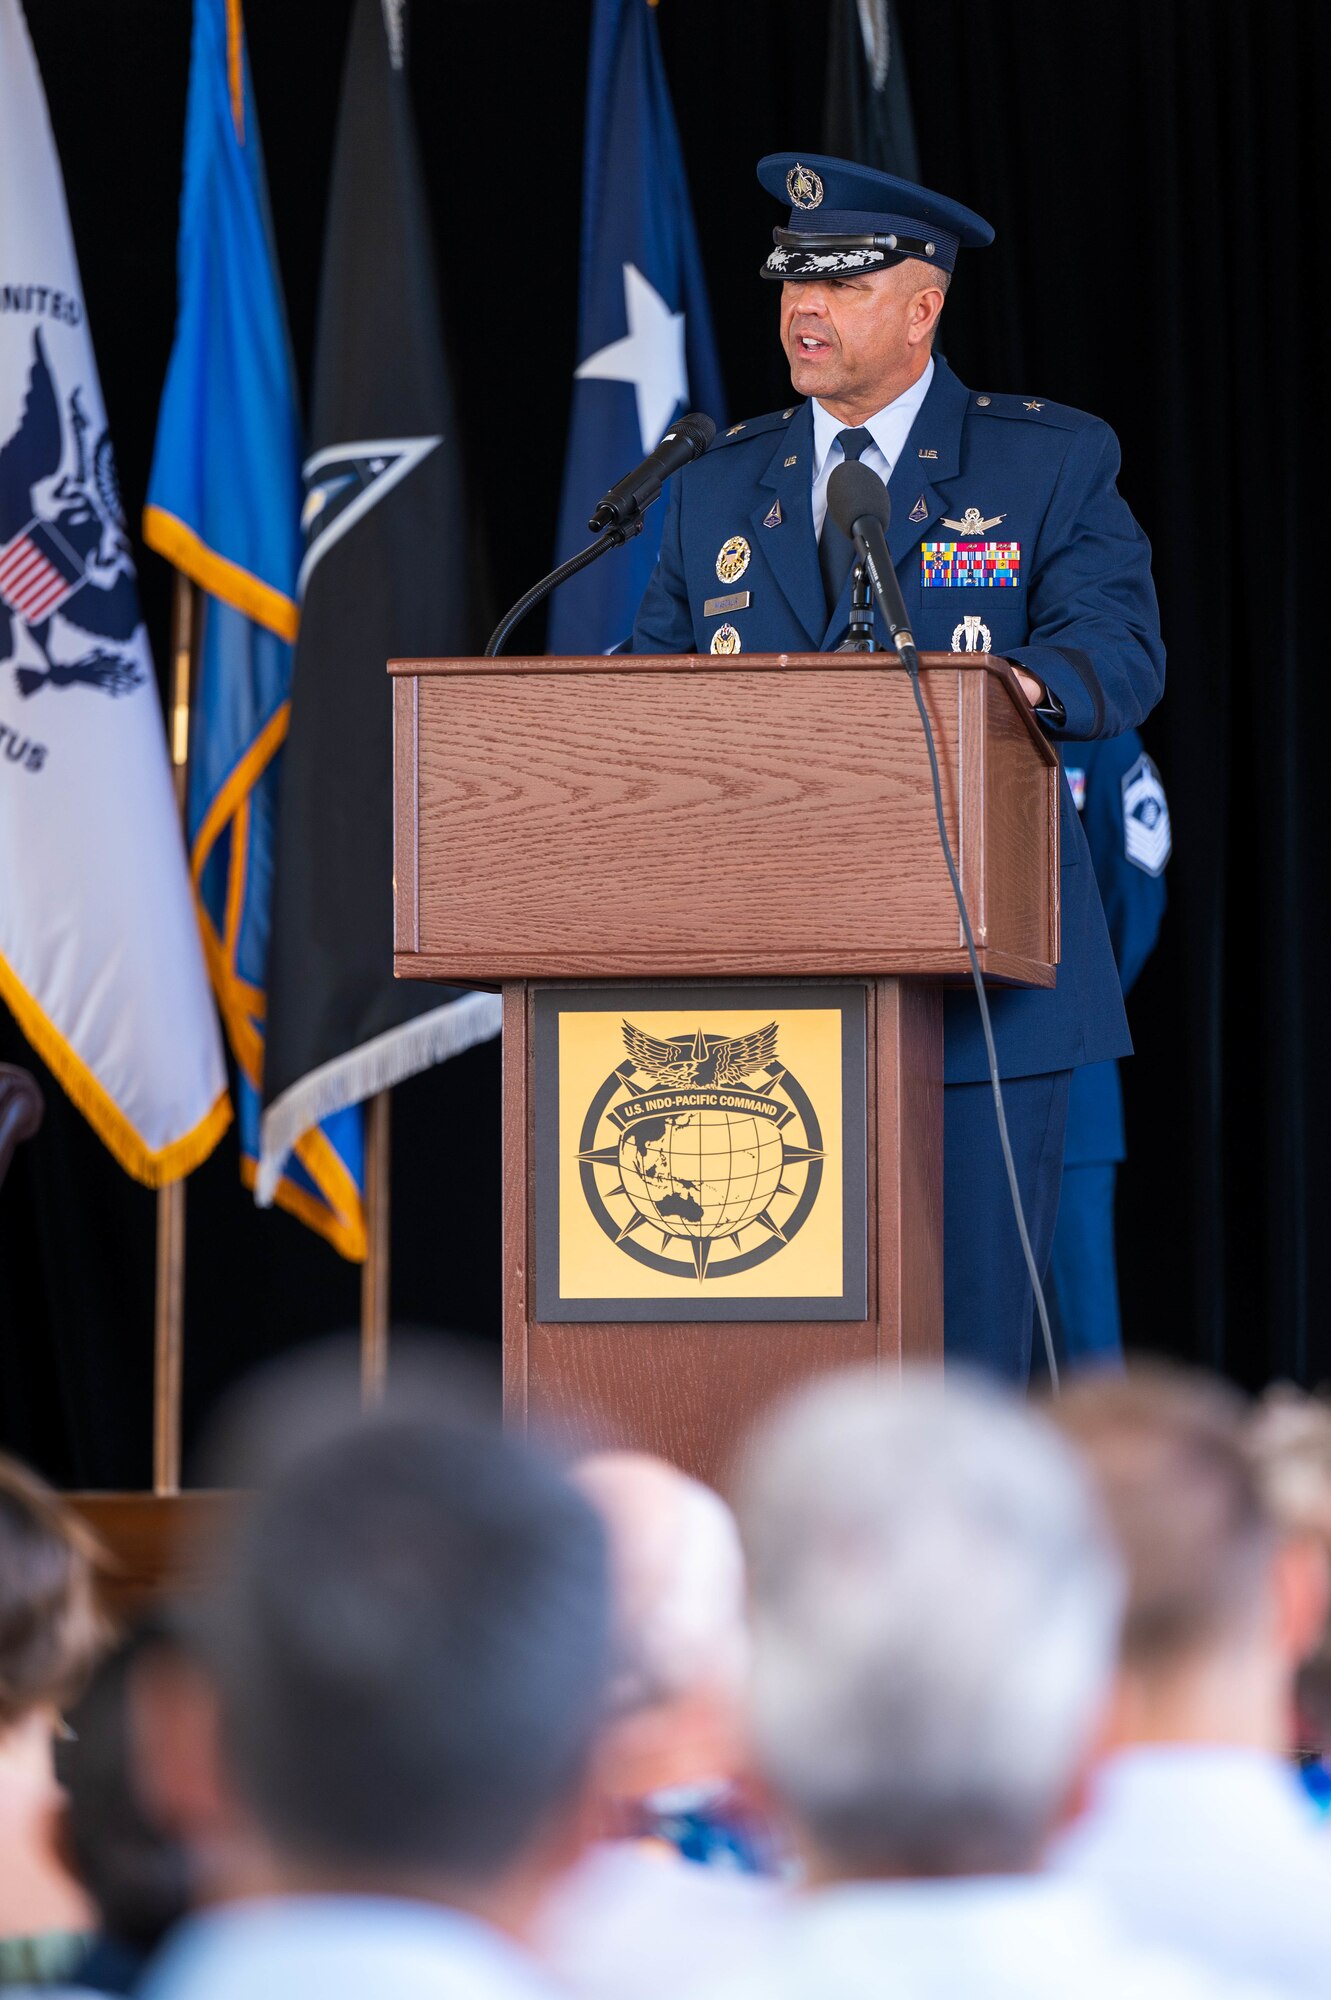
point(701, 1155)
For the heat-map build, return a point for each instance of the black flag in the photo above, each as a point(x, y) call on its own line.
point(385, 572)
point(866, 114)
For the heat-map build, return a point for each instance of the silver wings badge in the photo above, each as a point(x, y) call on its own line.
point(973, 522)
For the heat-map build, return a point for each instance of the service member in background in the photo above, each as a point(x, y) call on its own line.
point(1198, 1836)
point(1125, 817)
point(1009, 536)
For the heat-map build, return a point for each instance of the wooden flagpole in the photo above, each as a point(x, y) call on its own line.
point(169, 1303)
point(374, 1283)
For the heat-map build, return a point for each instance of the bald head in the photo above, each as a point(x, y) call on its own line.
point(678, 1579)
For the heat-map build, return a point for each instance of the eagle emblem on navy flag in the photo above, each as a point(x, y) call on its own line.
point(65, 563)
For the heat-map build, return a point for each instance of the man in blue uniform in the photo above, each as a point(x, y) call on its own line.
point(1125, 816)
point(1009, 536)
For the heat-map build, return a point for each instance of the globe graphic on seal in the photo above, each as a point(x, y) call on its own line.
point(701, 1173)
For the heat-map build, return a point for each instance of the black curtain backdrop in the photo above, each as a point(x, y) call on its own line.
point(1154, 172)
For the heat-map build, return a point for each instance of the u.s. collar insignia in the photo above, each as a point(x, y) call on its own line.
point(733, 559)
point(804, 186)
point(725, 639)
point(973, 522)
point(971, 636)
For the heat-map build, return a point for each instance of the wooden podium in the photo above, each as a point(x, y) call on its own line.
point(720, 823)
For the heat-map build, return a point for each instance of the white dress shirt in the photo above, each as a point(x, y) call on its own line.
point(341, 1948)
point(1215, 1851)
point(991, 1938)
point(889, 429)
point(635, 1923)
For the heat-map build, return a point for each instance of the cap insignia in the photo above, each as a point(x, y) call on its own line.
point(804, 187)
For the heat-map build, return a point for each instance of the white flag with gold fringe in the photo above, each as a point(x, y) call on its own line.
point(100, 958)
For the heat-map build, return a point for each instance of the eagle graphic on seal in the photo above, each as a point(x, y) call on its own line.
point(686, 1061)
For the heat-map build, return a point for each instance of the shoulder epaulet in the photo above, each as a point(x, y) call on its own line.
point(1033, 410)
point(753, 427)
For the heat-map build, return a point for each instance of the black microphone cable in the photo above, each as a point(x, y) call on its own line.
point(851, 494)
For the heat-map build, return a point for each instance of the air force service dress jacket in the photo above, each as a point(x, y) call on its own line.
point(1075, 607)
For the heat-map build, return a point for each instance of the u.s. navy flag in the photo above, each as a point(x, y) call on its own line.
point(384, 572)
point(644, 330)
point(224, 506)
point(99, 950)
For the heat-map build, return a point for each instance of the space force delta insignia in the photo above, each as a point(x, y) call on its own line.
point(342, 484)
point(970, 565)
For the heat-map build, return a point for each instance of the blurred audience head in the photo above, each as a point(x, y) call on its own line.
point(51, 1630)
point(1290, 1437)
point(1221, 1604)
point(136, 1873)
point(679, 1642)
point(279, 1412)
point(408, 1653)
point(935, 1616)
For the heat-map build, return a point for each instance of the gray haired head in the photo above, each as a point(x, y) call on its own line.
point(935, 1614)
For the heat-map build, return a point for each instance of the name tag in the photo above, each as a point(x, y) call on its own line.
point(970, 565)
point(721, 607)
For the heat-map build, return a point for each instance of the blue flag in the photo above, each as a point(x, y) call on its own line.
point(223, 505)
point(644, 330)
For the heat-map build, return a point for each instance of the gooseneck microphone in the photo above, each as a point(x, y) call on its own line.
point(858, 503)
point(619, 517)
point(687, 439)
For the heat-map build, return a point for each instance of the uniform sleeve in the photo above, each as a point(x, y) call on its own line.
point(1134, 899)
point(1094, 623)
point(664, 623)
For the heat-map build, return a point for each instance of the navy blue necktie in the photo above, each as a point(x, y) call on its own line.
point(834, 550)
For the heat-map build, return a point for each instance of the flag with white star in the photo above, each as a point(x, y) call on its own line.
point(644, 329)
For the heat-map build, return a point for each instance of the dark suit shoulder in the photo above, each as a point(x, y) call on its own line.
point(753, 427)
point(1032, 410)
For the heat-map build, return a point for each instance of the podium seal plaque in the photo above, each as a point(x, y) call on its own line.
point(696, 1159)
